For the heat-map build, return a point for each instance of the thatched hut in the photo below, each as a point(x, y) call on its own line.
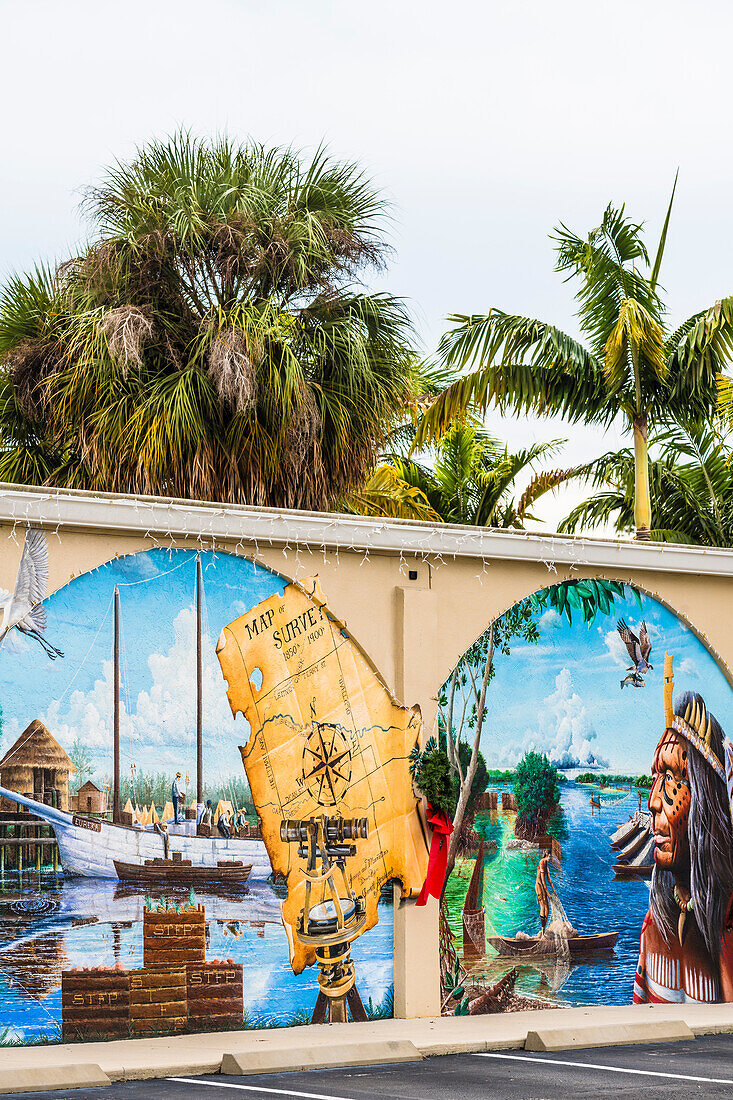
point(36, 766)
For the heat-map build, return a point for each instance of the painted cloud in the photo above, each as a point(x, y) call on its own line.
point(564, 730)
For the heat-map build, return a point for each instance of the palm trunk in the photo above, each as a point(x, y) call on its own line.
point(642, 497)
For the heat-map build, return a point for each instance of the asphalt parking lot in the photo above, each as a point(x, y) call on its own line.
point(700, 1068)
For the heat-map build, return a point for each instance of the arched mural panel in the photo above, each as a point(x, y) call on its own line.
point(625, 794)
point(81, 928)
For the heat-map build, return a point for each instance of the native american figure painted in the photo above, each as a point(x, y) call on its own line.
point(686, 945)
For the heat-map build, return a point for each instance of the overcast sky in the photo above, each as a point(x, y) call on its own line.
point(486, 124)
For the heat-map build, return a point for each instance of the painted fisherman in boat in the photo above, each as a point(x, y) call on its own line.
point(543, 887)
point(686, 944)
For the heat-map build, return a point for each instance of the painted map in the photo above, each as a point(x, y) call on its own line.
point(327, 738)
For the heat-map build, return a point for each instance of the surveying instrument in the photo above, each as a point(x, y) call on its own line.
point(332, 914)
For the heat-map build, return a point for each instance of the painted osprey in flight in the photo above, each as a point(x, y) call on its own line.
point(639, 648)
point(24, 609)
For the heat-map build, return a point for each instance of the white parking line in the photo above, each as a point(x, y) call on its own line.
point(608, 1069)
point(258, 1088)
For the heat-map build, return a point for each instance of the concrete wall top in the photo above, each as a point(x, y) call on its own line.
point(414, 595)
point(172, 519)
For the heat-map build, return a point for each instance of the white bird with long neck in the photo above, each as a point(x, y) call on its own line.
point(23, 610)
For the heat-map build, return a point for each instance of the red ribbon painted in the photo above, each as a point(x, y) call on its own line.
point(438, 859)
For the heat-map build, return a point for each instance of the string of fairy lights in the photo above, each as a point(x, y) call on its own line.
point(258, 534)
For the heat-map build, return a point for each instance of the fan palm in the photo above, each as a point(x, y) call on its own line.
point(631, 364)
point(212, 341)
point(691, 473)
point(473, 481)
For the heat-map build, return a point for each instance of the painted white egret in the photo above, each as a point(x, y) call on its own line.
point(23, 609)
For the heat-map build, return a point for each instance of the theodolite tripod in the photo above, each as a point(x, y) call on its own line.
point(330, 922)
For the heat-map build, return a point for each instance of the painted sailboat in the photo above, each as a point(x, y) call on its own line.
point(96, 848)
point(634, 844)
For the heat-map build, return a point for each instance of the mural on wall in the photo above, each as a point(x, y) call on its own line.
point(149, 883)
point(597, 865)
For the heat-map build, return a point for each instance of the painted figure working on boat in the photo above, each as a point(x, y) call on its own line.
point(180, 851)
point(543, 885)
point(686, 943)
point(557, 935)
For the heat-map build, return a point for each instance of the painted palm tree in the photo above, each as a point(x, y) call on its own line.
point(691, 475)
point(213, 341)
point(472, 481)
point(631, 365)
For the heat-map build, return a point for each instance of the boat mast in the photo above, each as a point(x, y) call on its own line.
point(116, 727)
point(199, 689)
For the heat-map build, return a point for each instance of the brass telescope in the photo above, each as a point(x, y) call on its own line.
point(332, 915)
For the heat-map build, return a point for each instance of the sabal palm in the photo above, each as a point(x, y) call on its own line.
point(473, 480)
point(632, 366)
point(691, 473)
point(211, 341)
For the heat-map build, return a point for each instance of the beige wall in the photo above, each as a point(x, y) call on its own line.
point(413, 631)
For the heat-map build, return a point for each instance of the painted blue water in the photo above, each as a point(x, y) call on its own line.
point(597, 902)
point(593, 899)
point(99, 923)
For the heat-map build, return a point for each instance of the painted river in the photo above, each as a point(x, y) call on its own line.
point(593, 900)
point(50, 924)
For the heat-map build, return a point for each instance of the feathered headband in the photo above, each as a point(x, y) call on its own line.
point(695, 725)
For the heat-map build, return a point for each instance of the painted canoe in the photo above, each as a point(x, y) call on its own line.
point(624, 832)
point(634, 846)
point(633, 870)
point(182, 872)
point(641, 819)
point(578, 945)
point(641, 866)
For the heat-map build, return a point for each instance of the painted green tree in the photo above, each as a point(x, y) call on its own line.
point(463, 715)
point(536, 792)
point(83, 761)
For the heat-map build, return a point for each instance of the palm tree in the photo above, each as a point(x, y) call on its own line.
point(212, 341)
point(691, 473)
point(631, 366)
point(472, 481)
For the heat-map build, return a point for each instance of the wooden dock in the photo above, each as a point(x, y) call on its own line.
point(26, 844)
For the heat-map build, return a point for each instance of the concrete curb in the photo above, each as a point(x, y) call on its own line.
point(279, 1060)
point(42, 1078)
point(613, 1035)
point(355, 1044)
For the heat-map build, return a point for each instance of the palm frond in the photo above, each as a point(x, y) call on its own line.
point(691, 476)
point(654, 277)
point(522, 363)
point(697, 355)
point(387, 494)
point(606, 265)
